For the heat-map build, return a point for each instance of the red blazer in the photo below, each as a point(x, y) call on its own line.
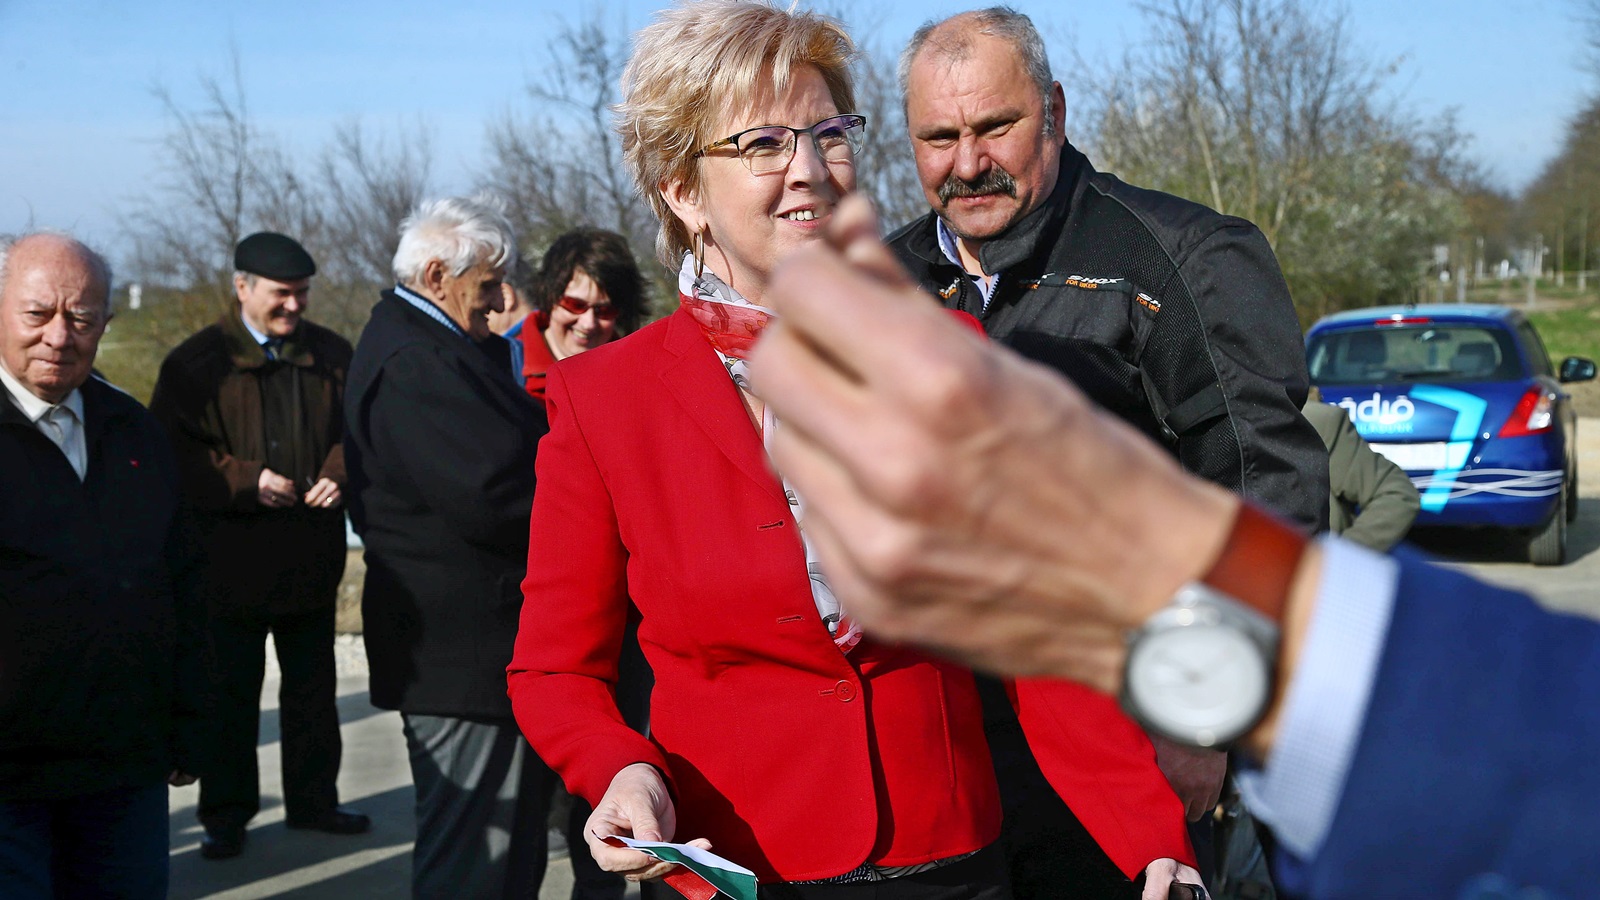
point(792, 759)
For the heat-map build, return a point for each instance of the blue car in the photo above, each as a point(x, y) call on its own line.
point(1464, 399)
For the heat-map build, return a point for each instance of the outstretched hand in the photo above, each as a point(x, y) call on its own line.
point(961, 497)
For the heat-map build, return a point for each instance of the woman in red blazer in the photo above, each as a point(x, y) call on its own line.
point(780, 735)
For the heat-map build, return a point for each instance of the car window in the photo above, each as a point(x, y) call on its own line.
point(1538, 357)
point(1423, 353)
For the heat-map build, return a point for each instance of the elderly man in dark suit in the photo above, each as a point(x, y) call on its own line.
point(103, 684)
point(440, 447)
point(253, 405)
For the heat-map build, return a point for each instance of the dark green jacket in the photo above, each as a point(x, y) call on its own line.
point(1372, 502)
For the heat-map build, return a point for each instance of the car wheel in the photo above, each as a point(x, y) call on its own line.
point(1548, 547)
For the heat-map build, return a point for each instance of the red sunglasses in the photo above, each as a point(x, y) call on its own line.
point(605, 312)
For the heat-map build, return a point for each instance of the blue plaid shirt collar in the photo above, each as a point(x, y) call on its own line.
point(429, 308)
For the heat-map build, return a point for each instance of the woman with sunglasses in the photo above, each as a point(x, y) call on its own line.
point(588, 291)
point(780, 736)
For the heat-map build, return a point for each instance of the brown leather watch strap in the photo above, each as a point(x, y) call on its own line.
point(1258, 561)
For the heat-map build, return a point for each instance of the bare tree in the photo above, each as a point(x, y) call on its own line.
point(886, 171)
point(1563, 203)
point(367, 186)
point(542, 195)
point(222, 179)
point(561, 167)
point(1262, 109)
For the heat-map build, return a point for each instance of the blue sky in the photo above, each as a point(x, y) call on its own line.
point(79, 125)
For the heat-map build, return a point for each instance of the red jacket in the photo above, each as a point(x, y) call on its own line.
point(536, 356)
point(791, 758)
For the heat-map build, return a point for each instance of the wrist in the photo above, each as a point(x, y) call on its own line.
point(640, 771)
point(1194, 532)
point(1297, 612)
point(1207, 669)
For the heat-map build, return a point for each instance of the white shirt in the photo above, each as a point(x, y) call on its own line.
point(1298, 791)
point(61, 422)
point(259, 336)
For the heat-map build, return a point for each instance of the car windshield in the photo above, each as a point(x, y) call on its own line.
point(1413, 353)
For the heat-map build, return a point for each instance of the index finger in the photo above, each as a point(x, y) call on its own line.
point(846, 295)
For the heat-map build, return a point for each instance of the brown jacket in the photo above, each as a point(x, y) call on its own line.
point(214, 396)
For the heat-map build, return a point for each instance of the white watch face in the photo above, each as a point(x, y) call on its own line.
point(1203, 683)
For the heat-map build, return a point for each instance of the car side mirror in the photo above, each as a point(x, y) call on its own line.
point(1576, 368)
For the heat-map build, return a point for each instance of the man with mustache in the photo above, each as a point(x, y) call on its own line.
point(1167, 314)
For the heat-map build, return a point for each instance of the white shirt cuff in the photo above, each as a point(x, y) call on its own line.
point(1298, 790)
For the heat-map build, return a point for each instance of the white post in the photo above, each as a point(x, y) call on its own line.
point(1530, 272)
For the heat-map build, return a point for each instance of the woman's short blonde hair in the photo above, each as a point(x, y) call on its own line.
point(701, 59)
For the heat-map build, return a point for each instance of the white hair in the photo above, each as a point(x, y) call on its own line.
point(459, 232)
point(98, 265)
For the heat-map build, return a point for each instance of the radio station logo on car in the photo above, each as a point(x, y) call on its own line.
point(1375, 415)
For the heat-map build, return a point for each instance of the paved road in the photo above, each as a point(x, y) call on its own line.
point(311, 866)
point(295, 864)
point(1572, 587)
point(282, 863)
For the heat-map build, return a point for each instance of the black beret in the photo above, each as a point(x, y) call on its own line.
point(275, 256)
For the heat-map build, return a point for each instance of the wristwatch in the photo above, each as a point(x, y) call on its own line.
point(1201, 671)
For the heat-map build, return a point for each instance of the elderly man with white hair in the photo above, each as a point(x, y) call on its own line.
point(440, 446)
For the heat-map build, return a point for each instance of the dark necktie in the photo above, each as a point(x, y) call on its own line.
point(273, 347)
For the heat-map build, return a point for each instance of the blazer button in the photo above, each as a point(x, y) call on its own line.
point(845, 691)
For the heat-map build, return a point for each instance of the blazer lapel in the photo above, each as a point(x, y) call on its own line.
point(696, 379)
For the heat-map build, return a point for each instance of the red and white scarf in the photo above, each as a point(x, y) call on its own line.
point(732, 324)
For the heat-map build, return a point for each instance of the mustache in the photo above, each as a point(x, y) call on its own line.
point(993, 181)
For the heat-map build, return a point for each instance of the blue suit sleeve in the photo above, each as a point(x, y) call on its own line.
point(1475, 770)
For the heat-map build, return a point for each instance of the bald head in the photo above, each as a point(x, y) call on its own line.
point(953, 40)
point(55, 300)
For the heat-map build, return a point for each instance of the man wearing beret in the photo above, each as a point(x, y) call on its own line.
point(253, 406)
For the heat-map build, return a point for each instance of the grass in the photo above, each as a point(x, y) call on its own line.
point(1569, 331)
point(137, 340)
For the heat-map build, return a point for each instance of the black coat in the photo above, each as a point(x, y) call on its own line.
point(104, 681)
point(439, 445)
point(1164, 312)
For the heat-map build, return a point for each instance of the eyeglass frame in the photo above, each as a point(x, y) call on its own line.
point(604, 312)
point(794, 140)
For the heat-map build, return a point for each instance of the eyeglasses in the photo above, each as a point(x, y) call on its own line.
point(605, 312)
point(768, 148)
